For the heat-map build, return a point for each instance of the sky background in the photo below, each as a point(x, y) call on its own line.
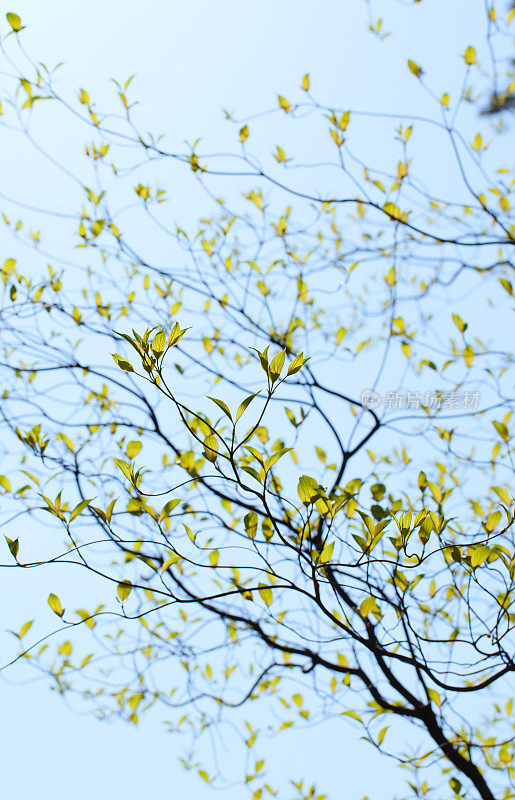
point(191, 61)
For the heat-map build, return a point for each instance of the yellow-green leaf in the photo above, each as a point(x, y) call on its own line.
point(13, 545)
point(503, 494)
point(79, 509)
point(479, 555)
point(367, 606)
point(461, 326)
point(169, 562)
point(502, 430)
point(211, 448)
point(14, 21)
point(55, 605)
point(283, 103)
point(122, 363)
point(307, 489)
point(25, 628)
point(251, 522)
point(414, 68)
point(493, 520)
point(244, 405)
point(266, 594)
point(124, 589)
point(326, 553)
point(159, 343)
point(469, 56)
point(382, 734)
point(168, 508)
point(434, 696)
point(276, 365)
point(353, 715)
point(222, 405)
point(132, 449)
point(297, 364)
point(468, 355)
point(406, 349)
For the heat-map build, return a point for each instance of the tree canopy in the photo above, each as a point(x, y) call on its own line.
point(279, 441)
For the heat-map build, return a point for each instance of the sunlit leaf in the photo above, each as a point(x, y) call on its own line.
point(124, 589)
point(55, 605)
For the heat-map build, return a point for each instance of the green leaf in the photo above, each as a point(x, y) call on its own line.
point(135, 700)
point(132, 449)
point(124, 589)
point(344, 120)
point(266, 594)
point(159, 343)
point(267, 528)
point(222, 405)
point(393, 211)
point(414, 68)
point(55, 605)
point(176, 335)
point(79, 508)
point(211, 448)
point(168, 508)
point(367, 606)
point(434, 696)
point(14, 21)
point(125, 468)
point(461, 326)
point(122, 363)
point(382, 734)
point(25, 628)
point(66, 439)
point(469, 56)
point(468, 355)
point(307, 489)
point(87, 617)
point(503, 494)
point(263, 358)
point(170, 562)
point(283, 103)
point(322, 501)
point(255, 474)
point(502, 430)
point(297, 364)
point(5, 483)
point(327, 553)
point(506, 285)
point(251, 522)
point(493, 520)
point(276, 365)
point(13, 545)
point(274, 458)
point(353, 714)
point(479, 555)
point(244, 405)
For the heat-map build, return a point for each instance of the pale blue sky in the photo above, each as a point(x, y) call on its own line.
point(192, 60)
